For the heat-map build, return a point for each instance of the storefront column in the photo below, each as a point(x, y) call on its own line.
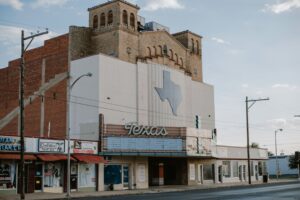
point(100, 177)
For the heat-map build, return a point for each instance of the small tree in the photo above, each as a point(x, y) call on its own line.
point(254, 145)
point(293, 163)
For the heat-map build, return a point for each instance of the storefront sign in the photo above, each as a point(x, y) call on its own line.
point(85, 147)
point(51, 145)
point(10, 144)
point(134, 129)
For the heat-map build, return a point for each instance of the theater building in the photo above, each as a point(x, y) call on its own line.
point(145, 110)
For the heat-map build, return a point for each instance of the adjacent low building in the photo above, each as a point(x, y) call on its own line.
point(283, 166)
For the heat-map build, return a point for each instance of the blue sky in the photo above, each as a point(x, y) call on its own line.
point(250, 48)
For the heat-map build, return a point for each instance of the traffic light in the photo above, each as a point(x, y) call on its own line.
point(197, 122)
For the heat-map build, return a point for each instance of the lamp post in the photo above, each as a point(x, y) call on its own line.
point(252, 101)
point(69, 156)
point(277, 164)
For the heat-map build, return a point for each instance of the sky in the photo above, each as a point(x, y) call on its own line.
point(250, 48)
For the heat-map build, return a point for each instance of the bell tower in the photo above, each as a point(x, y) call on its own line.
point(114, 29)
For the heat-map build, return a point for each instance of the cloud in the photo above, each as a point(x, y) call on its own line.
point(48, 3)
point(153, 5)
point(283, 6)
point(15, 4)
point(220, 40)
point(284, 86)
point(10, 39)
point(245, 85)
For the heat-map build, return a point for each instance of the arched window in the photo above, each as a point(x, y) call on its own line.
point(193, 45)
point(148, 51)
point(95, 22)
point(176, 58)
point(171, 54)
point(102, 19)
point(198, 47)
point(132, 20)
point(110, 17)
point(125, 17)
point(160, 50)
point(181, 62)
point(155, 52)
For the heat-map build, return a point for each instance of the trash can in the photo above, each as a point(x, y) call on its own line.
point(265, 178)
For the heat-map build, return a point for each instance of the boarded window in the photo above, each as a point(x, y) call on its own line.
point(207, 172)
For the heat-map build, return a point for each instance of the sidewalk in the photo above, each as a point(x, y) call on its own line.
point(53, 196)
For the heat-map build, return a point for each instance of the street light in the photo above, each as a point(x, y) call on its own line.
point(69, 156)
point(277, 164)
point(253, 101)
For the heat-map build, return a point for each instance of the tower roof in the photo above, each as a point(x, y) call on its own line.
point(114, 1)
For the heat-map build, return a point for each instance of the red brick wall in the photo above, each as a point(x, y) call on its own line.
point(55, 53)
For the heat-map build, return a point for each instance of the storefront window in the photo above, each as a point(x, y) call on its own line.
point(226, 168)
point(112, 174)
point(53, 175)
point(7, 175)
point(235, 168)
point(87, 175)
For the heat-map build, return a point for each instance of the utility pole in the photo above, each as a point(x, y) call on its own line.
point(253, 101)
point(21, 104)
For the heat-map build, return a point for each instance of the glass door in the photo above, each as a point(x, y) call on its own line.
point(125, 176)
point(38, 178)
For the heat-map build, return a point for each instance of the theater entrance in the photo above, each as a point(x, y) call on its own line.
point(167, 171)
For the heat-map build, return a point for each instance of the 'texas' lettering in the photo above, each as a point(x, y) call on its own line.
point(134, 129)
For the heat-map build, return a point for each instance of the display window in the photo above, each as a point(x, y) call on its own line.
point(87, 175)
point(7, 175)
point(53, 175)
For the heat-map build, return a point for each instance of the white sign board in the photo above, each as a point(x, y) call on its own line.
point(85, 147)
point(142, 173)
point(55, 146)
point(192, 172)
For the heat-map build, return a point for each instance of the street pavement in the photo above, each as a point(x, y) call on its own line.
point(258, 192)
point(282, 189)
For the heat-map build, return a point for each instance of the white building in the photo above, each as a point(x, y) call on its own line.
point(283, 166)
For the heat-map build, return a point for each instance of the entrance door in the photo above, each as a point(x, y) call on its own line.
point(256, 172)
point(200, 173)
point(244, 172)
point(74, 176)
point(125, 176)
point(220, 173)
point(38, 178)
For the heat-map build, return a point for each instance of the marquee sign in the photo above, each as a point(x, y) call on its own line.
point(135, 129)
point(10, 144)
point(51, 146)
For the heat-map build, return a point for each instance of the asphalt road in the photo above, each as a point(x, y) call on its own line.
point(259, 192)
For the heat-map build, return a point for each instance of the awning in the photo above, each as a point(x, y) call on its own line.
point(53, 157)
point(89, 158)
point(11, 156)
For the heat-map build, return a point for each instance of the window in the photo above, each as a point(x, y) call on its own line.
point(110, 17)
point(176, 58)
point(132, 20)
point(102, 19)
point(235, 168)
point(251, 168)
point(198, 47)
point(87, 175)
point(148, 51)
point(181, 62)
point(160, 52)
point(155, 52)
point(112, 174)
point(260, 168)
point(171, 54)
point(226, 168)
point(95, 22)
point(193, 46)
point(125, 17)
